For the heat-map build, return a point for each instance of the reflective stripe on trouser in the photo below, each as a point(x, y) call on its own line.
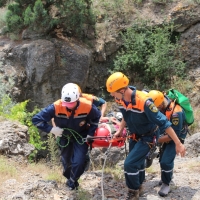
point(73, 159)
point(134, 169)
point(167, 162)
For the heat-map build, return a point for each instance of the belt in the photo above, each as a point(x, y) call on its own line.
point(150, 132)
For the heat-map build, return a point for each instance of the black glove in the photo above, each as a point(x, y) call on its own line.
point(89, 139)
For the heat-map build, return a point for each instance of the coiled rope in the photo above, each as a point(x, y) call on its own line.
point(106, 155)
point(74, 134)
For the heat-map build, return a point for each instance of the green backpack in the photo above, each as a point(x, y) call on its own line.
point(184, 102)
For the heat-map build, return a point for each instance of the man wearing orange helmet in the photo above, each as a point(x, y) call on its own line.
point(144, 122)
point(75, 117)
point(176, 115)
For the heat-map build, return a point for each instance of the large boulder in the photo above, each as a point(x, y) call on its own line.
point(192, 145)
point(14, 139)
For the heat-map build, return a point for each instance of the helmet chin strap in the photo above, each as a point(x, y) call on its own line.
point(122, 93)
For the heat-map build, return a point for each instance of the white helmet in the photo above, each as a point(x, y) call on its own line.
point(119, 116)
point(70, 93)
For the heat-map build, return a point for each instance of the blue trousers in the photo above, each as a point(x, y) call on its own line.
point(167, 162)
point(134, 168)
point(73, 159)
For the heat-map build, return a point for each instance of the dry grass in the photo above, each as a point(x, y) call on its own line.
point(7, 170)
point(152, 170)
point(21, 172)
point(194, 166)
point(48, 173)
point(116, 172)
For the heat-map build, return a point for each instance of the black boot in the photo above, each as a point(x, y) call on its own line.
point(132, 195)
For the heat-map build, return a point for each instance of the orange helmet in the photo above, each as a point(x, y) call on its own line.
point(157, 96)
point(116, 81)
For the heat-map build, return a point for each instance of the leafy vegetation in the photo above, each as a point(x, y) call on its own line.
point(53, 149)
point(17, 111)
point(44, 16)
point(149, 54)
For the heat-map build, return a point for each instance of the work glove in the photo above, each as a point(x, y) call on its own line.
point(57, 131)
point(89, 139)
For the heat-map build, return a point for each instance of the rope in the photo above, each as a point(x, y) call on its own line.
point(106, 155)
point(74, 134)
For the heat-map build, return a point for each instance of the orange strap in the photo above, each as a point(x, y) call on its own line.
point(132, 136)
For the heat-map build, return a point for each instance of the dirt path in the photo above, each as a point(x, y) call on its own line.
point(31, 184)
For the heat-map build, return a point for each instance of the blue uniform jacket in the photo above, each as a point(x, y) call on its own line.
point(83, 123)
point(176, 115)
point(142, 118)
point(98, 102)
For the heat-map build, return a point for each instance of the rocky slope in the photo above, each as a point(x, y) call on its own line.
point(32, 184)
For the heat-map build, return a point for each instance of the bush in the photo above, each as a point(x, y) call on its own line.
point(72, 15)
point(17, 111)
point(149, 53)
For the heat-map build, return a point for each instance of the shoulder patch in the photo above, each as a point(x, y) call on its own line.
point(152, 107)
point(175, 115)
point(148, 103)
point(175, 121)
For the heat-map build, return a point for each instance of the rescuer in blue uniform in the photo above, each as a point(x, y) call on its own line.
point(144, 122)
point(176, 115)
point(75, 118)
point(99, 102)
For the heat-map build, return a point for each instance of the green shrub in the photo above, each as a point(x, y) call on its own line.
point(149, 54)
point(3, 18)
point(53, 149)
point(72, 15)
point(17, 112)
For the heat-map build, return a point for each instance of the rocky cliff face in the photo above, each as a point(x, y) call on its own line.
point(41, 67)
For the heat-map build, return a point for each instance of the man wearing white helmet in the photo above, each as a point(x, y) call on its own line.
point(75, 117)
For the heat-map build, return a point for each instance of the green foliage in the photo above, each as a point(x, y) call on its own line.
point(6, 85)
point(28, 16)
point(3, 3)
point(138, 1)
point(14, 22)
point(149, 53)
point(5, 105)
point(72, 15)
point(163, 2)
point(53, 149)
point(2, 18)
point(17, 111)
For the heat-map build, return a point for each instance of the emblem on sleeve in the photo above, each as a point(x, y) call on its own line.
point(148, 103)
point(153, 108)
point(175, 121)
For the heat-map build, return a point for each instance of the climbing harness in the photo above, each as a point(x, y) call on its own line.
point(153, 147)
